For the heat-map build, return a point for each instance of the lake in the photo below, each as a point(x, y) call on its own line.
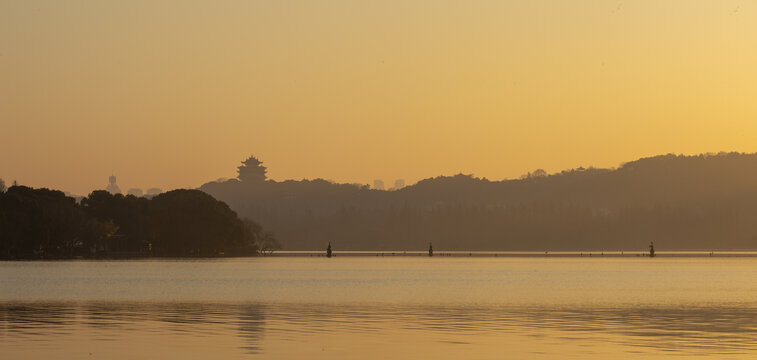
point(367, 307)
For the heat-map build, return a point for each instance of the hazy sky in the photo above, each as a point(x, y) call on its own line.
point(176, 93)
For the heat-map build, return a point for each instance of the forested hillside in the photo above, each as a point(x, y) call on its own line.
point(707, 201)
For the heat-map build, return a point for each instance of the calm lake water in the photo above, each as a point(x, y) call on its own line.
point(379, 308)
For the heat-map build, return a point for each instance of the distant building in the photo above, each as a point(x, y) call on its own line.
point(153, 192)
point(361, 186)
point(399, 184)
point(112, 187)
point(136, 192)
point(378, 184)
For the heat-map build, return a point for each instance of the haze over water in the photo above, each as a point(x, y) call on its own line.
point(240, 128)
point(378, 308)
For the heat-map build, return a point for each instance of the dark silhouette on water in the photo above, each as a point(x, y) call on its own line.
point(47, 224)
point(651, 249)
point(430, 250)
point(328, 250)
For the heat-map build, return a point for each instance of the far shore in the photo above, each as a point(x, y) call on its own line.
point(462, 253)
point(437, 254)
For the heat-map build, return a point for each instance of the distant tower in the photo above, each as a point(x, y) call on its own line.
point(399, 184)
point(112, 187)
point(651, 249)
point(328, 250)
point(378, 184)
point(430, 250)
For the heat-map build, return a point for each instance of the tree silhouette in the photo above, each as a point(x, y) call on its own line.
point(2, 185)
point(191, 222)
point(252, 170)
point(264, 240)
point(43, 223)
point(38, 223)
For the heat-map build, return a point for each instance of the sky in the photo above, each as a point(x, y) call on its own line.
point(173, 94)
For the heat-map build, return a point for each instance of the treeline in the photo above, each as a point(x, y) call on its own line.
point(43, 223)
point(707, 201)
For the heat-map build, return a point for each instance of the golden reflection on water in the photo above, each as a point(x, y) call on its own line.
point(370, 308)
point(61, 330)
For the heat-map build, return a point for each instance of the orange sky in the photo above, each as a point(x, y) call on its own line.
point(174, 94)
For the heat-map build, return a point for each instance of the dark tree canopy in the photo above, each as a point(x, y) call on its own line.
point(33, 221)
point(252, 170)
point(191, 222)
point(42, 223)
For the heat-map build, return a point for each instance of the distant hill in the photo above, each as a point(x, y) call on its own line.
point(706, 201)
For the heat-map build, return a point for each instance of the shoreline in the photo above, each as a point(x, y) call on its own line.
point(437, 254)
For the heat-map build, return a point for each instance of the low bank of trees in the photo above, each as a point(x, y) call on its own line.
point(43, 223)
